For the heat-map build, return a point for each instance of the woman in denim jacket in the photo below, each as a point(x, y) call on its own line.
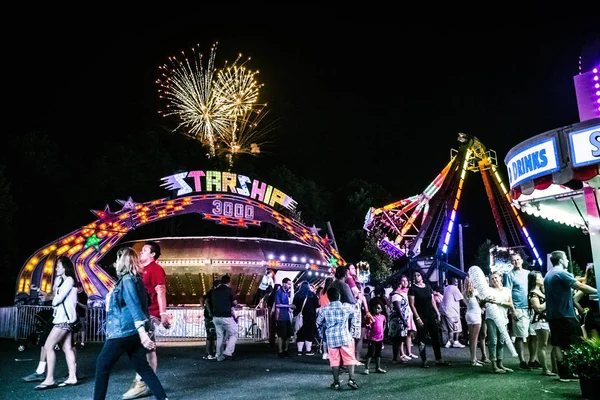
point(127, 315)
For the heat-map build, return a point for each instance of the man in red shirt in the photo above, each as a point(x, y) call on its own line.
point(153, 276)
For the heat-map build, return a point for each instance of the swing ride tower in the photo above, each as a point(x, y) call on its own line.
point(420, 227)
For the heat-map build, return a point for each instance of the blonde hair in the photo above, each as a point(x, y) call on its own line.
point(127, 262)
point(468, 287)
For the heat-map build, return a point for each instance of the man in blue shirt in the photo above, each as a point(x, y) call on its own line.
point(516, 281)
point(560, 312)
point(283, 320)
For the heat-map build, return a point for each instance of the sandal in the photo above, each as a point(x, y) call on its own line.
point(352, 384)
point(507, 369)
point(499, 371)
point(65, 383)
point(476, 364)
point(335, 386)
point(44, 386)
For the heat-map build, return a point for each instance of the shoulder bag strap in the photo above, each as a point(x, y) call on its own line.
point(303, 304)
point(66, 313)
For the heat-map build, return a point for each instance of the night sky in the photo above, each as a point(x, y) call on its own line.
point(352, 99)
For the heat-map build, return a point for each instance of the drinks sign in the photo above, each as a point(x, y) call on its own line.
point(533, 161)
point(189, 182)
point(585, 146)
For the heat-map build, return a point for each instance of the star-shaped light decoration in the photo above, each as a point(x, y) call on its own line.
point(105, 214)
point(314, 229)
point(128, 204)
point(332, 261)
point(92, 241)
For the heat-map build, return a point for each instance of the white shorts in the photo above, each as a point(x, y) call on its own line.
point(540, 325)
point(520, 326)
point(473, 318)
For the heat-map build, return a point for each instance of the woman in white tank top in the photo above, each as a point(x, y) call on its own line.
point(473, 317)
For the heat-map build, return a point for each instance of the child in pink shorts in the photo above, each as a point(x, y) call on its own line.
point(333, 319)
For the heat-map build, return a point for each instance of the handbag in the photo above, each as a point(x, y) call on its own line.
point(74, 327)
point(298, 321)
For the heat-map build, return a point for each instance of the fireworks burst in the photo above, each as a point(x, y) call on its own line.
point(246, 137)
point(217, 107)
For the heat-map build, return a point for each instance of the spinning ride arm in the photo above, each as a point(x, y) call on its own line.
point(423, 224)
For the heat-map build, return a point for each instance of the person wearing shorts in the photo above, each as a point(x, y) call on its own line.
point(333, 319)
point(516, 281)
point(565, 329)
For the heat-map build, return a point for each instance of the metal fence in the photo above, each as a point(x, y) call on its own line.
point(187, 324)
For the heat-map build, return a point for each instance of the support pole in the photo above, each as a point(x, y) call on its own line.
point(332, 236)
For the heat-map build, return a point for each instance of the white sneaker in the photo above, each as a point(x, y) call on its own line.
point(448, 344)
point(458, 344)
point(325, 356)
point(138, 389)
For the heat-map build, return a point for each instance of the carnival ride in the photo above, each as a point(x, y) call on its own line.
point(226, 205)
point(420, 227)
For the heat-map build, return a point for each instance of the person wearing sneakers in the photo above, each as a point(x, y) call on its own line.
point(450, 311)
point(283, 319)
point(224, 300)
point(333, 319)
point(426, 314)
point(153, 276)
point(516, 281)
point(565, 329)
point(209, 324)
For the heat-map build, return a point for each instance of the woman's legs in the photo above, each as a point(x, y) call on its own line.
point(137, 355)
point(308, 345)
point(396, 344)
point(473, 340)
point(542, 343)
point(409, 343)
point(482, 338)
point(493, 344)
point(71, 357)
point(434, 334)
point(109, 355)
point(421, 334)
point(55, 337)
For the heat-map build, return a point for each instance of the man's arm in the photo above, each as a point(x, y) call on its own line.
point(584, 288)
point(161, 293)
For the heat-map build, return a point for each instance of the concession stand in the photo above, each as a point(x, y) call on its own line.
point(556, 175)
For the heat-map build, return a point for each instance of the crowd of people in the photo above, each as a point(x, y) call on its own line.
point(339, 317)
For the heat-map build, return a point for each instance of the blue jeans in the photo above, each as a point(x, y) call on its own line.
point(110, 354)
point(495, 344)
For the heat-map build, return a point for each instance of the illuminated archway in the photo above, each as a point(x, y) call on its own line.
point(225, 198)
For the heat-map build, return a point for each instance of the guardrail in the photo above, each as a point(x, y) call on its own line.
point(187, 324)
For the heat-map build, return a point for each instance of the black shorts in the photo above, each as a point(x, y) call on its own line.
point(374, 349)
point(564, 332)
point(284, 329)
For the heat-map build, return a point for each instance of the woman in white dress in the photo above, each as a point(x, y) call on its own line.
point(473, 317)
